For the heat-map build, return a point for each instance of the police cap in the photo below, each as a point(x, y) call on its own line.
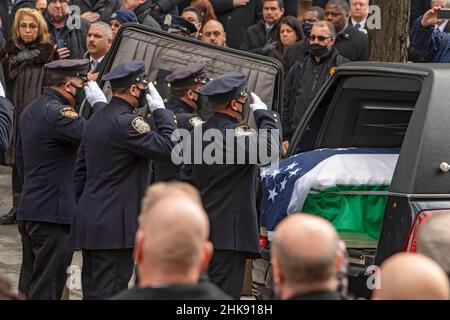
point(69, 67)
point(175, 24)
point(124, 16)
point(225, 88)
point(126, 74)
point(194, 73)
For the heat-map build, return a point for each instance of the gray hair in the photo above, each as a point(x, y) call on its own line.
point(106, 29)
point(328, 25)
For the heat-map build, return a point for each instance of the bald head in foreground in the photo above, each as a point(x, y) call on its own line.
point(172, 246)
point(306, 258)
point(433, 240)
point(409, 276)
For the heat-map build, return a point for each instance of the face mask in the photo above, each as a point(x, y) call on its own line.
point(319, 51)
point(142, 100)
point(307, 28)
point(78, 96)
point(201, 102)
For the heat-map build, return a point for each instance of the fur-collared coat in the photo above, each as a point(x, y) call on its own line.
point(23, 83)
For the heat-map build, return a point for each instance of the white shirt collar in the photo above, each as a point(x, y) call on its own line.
point(361, 23)
point(99, 60)
point(442, 26)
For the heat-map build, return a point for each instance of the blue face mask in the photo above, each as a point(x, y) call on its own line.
point(307, 28)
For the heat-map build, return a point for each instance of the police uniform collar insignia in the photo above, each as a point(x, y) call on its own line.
point(68, 112)
point(196, 121)
point(243, 130)
point(140, 125)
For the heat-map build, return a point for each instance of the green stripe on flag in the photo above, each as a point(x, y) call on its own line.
point(357, 209)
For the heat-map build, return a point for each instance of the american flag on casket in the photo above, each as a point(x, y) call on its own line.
point(347, 186)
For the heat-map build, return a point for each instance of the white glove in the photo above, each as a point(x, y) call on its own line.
point(154, 99)
point(257, 103)
point(93, 93)
point(2, 91)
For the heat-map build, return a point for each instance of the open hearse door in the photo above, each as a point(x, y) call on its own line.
point(163, 52)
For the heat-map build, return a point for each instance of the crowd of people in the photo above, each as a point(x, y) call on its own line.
point(186, 244)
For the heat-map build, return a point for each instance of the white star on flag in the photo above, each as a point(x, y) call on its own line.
point(293, 173)
point(291, 166)
point(272, 194)
point(274, 174)
point(264, 173)
point(283, 184)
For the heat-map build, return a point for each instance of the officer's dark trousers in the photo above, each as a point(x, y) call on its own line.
point(106, 272)
point(46, 255)
point(227, 270)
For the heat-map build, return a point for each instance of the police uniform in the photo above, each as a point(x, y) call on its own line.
point(186, 116)
point(111, 175)
point(6, 123)
point(49, 136)
point(178, 25)
point(228, 190)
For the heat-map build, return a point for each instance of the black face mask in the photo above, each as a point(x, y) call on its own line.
point(307, 28)
point(201, 102)
point(78, 96)
point(319, 51)
point(142, 100)
point(245, 108)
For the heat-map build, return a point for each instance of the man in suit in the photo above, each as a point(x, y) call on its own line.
point(172, 246)
point(261, 38)
point(351, 43)
point(98, 43)
point(111, 174)
point(306, 259)
point(359, 10)
point(236, 16)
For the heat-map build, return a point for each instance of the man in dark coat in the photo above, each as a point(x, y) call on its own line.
point(111, 174)
point(227, 180)
point(6, 120)
point(172, 247)
point(261, 38)
point(69, 39)
point(185, 84)
point(97, 10)
point(305, 78)
point(50, 132)
point(306, 259)
point(6, 8)
point(351, 43)
point(236, 16)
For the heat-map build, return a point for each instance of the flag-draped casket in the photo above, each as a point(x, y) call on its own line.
point(347, 186)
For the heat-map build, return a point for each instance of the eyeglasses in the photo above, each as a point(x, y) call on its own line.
point(320, 38)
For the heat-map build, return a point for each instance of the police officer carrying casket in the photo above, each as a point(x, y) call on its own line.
point(184, 84)
point(228, 189)
point(6, 120)
point(111, 175)
point(50, 133)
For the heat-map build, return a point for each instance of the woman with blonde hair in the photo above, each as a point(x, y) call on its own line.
point(23, 60)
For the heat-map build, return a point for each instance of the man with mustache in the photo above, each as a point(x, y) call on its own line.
point(98, 43)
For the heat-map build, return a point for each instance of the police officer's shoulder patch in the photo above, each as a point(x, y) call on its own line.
point(243, 130)
point(196, 121)
point(68, 112)
point(140, 125)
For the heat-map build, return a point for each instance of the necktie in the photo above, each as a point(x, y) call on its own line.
point(94, 64)
point(358, 26)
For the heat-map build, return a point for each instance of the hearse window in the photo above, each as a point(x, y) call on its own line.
point(362, 112)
